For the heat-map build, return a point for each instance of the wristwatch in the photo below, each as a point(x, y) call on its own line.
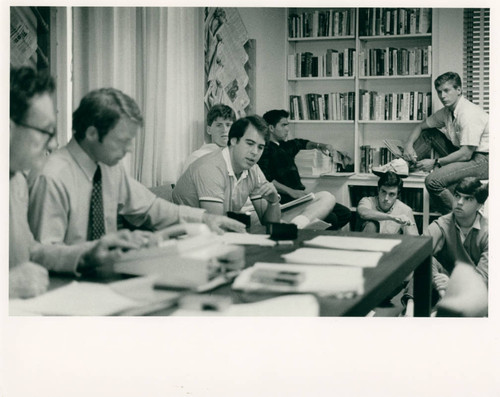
point(437, 163)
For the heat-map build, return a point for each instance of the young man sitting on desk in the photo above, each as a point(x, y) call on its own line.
point(223, 181)
point(220, 118)
point(459, 133)
point(385, 213)
point(32, 136)
point(461, 235)
point(83, 186)
point(278, 164)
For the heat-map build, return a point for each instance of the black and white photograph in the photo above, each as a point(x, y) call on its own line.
point(249, 199)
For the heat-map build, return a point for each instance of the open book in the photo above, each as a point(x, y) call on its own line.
point(300, 200)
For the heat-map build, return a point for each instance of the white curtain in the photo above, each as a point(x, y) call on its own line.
point(155, 55)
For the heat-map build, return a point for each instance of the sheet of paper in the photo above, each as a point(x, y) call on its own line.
point(282, 306)
point(75, 299)
point(321, 256)
point(354, 243)
point(247, 239)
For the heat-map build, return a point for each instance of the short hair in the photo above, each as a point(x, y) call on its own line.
point(220, 110)
point(25, 83)
point(240, 126)
point(473, 186)
point(448, 76)
point(273, 117)
point(390, 179)
point(103, 108)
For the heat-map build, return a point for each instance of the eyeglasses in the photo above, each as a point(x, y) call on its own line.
point(51, 134)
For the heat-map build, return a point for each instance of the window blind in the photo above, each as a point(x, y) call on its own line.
point(476, 73)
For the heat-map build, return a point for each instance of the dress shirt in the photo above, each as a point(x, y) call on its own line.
point(212, 178)
point(398, 208)
point(449, 247)
point(60, 199)
point(467, 125)
point(23, 247)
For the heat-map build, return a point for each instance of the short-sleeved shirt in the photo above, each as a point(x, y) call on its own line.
point(278, 163)
point(398, 208)
point(212, 179)
point(467, 125)
point(202, 151)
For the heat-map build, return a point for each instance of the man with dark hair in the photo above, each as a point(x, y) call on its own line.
point(461, 235)
point(459, 134)
point(278, 164)
point(32, 136)
point(82, 188)
point(385, 213)
point(223, 181)
point(220, 118)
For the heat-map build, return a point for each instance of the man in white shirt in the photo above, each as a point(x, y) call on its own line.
point(459, 133)
point(83, 186)
point(220, 118)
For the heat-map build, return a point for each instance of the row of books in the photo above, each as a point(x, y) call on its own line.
point(413, 197)
point(394, 21)
point(392, 61)
point(406, 106)
point(313, 106)
point(374, 157)
point(327, 23)
point(333, 63)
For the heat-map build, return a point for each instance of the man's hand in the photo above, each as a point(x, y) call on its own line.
point(425, 165)
point(409, 154)
point(110, 248)
point(402, 220)
point(440, 282)
point(27, 280)
point(269, 193)
point(220, 223)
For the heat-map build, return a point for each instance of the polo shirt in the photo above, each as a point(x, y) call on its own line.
point(212, 178)
point(467, 125)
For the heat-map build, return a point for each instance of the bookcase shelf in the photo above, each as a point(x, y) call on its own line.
point(321, 78)
point(396, 37)
point(389, 121)
point(323, 38)
point(396, 76)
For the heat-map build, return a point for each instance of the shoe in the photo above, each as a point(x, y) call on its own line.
point(398, 166)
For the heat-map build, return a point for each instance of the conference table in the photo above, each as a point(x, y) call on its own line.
point(413, 254)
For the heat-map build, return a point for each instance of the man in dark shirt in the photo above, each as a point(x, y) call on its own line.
point(278, 164)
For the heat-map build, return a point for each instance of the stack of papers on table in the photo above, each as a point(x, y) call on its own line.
point(319, 256)
point(354, 243)
point(315, 279)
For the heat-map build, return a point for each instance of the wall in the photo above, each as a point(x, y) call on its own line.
point(268, 27)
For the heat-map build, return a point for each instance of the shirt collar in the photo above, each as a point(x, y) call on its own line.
point(227, 158)
point(460, 103)
point(475, 225)
point(83, 160)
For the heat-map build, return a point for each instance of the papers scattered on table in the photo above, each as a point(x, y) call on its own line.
point(247, 239)
point(320, 256)
point(300, 200)
point(354, 243)
point(128, 297)
point(76, 299)
point(317, 279)
point(282, 306)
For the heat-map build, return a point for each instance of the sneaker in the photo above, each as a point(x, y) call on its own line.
point(398, 166)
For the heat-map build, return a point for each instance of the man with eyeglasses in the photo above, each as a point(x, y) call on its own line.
point(32, 136)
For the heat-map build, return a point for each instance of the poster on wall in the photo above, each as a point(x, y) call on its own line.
point(225, 59)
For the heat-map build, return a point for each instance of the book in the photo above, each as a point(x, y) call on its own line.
point(395, 147)
point(300, 200)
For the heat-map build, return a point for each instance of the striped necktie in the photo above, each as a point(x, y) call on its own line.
point(96, 226)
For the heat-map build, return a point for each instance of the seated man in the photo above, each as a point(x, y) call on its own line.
point(223, 181)
point(461, 235)
point(278, 164)
point(459, 133)
point(220, 118)
point(32, 135)
point(385, 213)
point(83, 187)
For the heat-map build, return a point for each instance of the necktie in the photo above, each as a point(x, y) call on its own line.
point(96, 226)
